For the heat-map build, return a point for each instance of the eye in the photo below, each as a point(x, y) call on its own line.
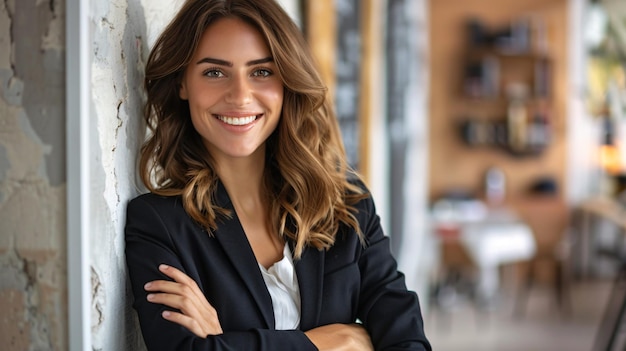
point(262, 72)
point(213, 73)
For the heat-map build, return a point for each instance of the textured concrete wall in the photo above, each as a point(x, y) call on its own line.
point(122, 32)
point(118, 32)
point(33, 294)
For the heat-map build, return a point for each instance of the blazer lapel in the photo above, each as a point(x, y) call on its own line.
point(310, 272)
point(233, 239)
point(309, 269)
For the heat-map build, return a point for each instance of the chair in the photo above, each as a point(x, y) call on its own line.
point(456, 273)
point(548, 217)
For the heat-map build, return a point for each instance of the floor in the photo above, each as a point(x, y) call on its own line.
point(543, 327)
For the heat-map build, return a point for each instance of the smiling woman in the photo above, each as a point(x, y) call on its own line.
point(256, 235)
point(234, 96)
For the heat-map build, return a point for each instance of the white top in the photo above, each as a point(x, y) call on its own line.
point(282, 283)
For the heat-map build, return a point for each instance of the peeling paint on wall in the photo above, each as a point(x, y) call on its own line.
point(43, 77)
point(33, 281)
point(97, 302)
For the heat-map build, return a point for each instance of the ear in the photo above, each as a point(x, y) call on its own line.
point(182, 90)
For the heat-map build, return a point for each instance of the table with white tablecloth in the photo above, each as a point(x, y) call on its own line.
point(491, 237)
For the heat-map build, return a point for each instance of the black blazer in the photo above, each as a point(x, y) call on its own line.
point(345, 283)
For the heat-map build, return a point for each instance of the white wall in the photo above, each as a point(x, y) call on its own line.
point(582, 132)
point(122, 32)
point(415, 256)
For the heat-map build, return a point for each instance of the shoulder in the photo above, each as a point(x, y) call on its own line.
point(365, 205)
point(150, 202)
point(358, 182)
point(158, 216)
point(156, 200)
point(364, 209)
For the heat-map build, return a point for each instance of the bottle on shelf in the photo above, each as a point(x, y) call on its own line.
point(517, 117)
point(539, 127)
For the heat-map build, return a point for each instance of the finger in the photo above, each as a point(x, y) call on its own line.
point(194, 294)
point(188, 306)
point(204, 314)
point(185, 321)
point(166, 286)
point(176, 274)
point(182, 278)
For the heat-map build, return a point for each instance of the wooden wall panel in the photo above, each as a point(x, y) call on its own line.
point(321, 34)
point(452, 164)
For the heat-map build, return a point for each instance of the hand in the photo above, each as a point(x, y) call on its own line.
point(340, 337)
point(183, 294)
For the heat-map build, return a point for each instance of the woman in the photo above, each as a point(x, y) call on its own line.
point(255, 235)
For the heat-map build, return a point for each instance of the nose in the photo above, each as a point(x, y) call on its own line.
point(239, 91)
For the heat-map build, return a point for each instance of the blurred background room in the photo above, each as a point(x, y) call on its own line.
point(492, 134)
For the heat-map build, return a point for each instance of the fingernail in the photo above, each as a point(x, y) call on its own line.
point(163, 267)
point(166, 314)
point(147, 286)
point(150, 297)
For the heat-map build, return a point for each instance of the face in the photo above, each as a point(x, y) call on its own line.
point(234, 92)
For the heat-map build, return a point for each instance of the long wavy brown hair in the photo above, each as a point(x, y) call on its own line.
point(306, 180)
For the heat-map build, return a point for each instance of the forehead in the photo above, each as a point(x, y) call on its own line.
point(232, 36)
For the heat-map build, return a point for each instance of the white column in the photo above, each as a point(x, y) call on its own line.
point(78, 191)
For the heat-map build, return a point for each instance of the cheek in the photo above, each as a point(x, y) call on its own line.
point(201, 102)
point(197, 125)
point(276, 101)
point(273, 95)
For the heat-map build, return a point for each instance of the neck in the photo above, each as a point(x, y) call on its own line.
point(243, 180)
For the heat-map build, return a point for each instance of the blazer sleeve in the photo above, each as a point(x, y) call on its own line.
point(149, 243)
point(389, 311)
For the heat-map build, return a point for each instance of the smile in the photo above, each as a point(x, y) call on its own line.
point(237, 121)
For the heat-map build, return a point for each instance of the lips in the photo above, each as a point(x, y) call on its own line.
point(237, 121)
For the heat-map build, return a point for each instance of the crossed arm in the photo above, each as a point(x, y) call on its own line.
point(198, 316)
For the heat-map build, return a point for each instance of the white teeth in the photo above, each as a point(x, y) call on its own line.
point(237, 121)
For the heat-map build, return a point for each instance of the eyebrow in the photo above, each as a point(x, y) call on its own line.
point(230, 64)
